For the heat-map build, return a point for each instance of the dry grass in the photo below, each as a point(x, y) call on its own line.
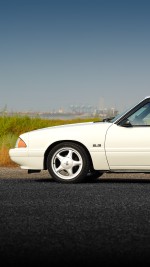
point(5, 159)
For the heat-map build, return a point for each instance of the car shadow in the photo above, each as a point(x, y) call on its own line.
point(124, 180)
point(99, 180)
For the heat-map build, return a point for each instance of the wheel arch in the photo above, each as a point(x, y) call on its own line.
point(63, 141)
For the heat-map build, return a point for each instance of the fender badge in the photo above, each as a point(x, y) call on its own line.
point(96, 145)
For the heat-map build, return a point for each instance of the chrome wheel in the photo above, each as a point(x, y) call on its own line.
point(68, 162)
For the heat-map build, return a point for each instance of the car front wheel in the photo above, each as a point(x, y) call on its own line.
point(68, 162)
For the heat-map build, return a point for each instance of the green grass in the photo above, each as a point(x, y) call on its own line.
point(16, 125)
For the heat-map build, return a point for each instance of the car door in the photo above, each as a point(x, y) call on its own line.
point(127, 143)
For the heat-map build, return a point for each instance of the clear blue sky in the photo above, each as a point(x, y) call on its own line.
point(58, 53)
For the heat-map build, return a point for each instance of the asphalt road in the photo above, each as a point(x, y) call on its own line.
point(101, 223)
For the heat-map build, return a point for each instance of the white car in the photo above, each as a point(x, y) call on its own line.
point(73, 152)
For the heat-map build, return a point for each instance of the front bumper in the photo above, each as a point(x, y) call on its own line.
point(27, 159)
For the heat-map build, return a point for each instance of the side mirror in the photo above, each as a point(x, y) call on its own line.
point(126, 123)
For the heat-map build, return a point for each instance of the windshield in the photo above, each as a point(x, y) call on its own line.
point(119, 115)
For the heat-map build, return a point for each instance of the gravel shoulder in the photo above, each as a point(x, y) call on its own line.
point(17, 172)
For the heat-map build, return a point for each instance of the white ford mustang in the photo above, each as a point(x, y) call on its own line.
point(76, 151)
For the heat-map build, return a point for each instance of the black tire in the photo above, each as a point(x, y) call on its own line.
point(68, 162)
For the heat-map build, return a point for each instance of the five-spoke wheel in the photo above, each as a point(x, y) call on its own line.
point(68, 162)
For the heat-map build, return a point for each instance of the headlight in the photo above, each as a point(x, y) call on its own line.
point(20, 143)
